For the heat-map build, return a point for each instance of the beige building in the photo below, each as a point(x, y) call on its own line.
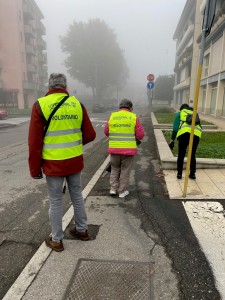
point(211, 98)
point(212, 91)
point(187, 52)
point(23, 57)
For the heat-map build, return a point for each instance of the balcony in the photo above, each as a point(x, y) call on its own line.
point(27, 12)
point(31, 68)
point(29, 49)
point(42, 58)
point(28, 31)
point(27, 85)
point(41, 87)
point(41, 44)
point(41, 28)
point(182, 85)
point(186, 37)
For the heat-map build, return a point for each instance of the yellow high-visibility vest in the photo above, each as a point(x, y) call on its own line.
point(185, 127)
point(122, 130)
point(63, 139)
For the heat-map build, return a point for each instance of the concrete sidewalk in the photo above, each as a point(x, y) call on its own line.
point(210, 175)
point(120, 240)
point(48, 274)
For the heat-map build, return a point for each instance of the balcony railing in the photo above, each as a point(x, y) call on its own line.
point(28, 14)
point(29, 49)
point(27, 85)
point(31, 68)
point(41, 28)
point(28, 30)
point(41, 44)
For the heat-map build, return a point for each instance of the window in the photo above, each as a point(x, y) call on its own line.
point(213, 100)
point(203, 99)
point(223, 107)
point(205, 66)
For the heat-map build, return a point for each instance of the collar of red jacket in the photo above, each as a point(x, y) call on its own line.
point(56, 91)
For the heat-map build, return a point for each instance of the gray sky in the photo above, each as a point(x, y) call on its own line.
point(144, 30)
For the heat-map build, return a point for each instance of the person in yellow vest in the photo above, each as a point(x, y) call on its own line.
point(181, 131)
point(58, 153)
point(124, 130)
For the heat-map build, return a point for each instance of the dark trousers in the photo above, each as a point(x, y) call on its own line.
point(183, 141)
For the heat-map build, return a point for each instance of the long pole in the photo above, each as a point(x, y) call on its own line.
point(199, 75)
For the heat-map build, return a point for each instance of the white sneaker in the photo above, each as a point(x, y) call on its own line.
point(124, 194)
point(112, 192)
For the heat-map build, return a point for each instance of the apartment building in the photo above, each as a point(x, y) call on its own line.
point(211, 98)
point(212, 90)
point(23, 57)
point(187, 52)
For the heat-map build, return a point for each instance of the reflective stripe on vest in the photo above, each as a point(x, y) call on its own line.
point(63, 139)
point(122, 130)
point(185, 127)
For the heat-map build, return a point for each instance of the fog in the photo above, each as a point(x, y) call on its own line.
point(144, 30)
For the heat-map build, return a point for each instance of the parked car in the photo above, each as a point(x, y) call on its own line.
point(3, 114)
point(98, 108)
point(112, 107)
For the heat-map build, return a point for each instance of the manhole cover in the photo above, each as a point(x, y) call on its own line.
point(111, 280)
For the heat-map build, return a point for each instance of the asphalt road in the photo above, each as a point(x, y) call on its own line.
point(24, 214)
point(23, 201)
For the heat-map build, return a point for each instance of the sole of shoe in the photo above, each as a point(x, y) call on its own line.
point(123, 195)
point(112, 193)
point(57, 249)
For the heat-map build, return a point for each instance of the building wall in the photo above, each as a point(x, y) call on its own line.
point(187, 52)
point(211, 98)
point(22, 72)
point(213, 81)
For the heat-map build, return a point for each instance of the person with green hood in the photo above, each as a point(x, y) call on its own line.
point(182, 131)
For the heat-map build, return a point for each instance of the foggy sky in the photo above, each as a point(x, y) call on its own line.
point(144, 30)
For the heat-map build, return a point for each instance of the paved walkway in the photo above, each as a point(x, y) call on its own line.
point(121, 237)
point(210, 181)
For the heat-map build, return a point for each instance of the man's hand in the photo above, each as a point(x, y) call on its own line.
point(171, 144)
point(40, 176)
point(138, 142)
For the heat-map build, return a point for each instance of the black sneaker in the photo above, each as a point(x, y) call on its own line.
point(192, 176)
point(179, 176)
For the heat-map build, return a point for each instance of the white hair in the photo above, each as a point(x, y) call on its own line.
point(57, 80)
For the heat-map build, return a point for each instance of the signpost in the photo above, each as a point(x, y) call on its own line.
point(150, 86)
point(150, 77)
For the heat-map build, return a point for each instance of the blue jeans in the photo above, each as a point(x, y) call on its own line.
point(55, 187)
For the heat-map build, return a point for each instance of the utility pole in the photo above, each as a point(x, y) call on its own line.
point(209, 12)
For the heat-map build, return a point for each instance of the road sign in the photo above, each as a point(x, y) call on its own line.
point(150, 85)
point(150, 77)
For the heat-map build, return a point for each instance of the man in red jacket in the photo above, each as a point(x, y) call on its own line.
point(59, 155)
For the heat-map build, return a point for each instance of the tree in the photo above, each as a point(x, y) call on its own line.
point(94, 56)
point(163, 89)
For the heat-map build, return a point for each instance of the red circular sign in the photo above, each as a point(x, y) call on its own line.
point(150, 77)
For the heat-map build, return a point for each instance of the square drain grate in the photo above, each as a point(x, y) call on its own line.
point(111, 280)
